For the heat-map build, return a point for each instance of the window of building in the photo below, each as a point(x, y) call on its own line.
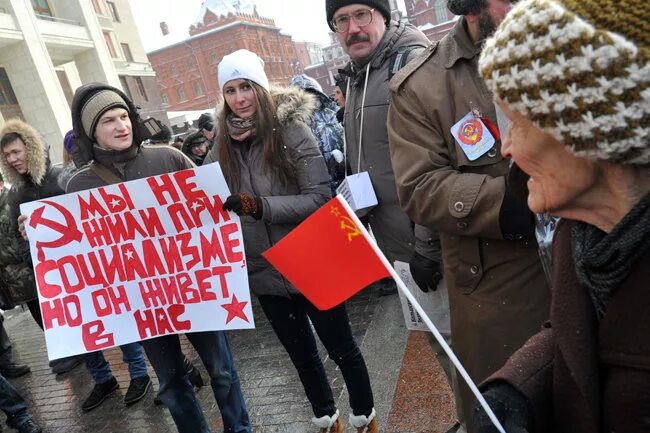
point(164, 98)
point(213, 57)
point(198, 88)
point(190, 64)
point(125, 86)
point(141, 89)
point(127, 52)
point(109, 45)
point(112, 9)
point(97, 7)
point(41, 7)
point(441, 11)
point(181, 94)
point(7, 95)
point(173, 69)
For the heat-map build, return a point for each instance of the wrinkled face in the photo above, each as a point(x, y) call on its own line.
point(240, 97)
point(113, 131)
point(338, 97)
point(558, 179)
point(360, 41)
point(16, 155)
point(200, 149)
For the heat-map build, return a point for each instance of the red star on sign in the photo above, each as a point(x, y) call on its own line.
point(235, 309)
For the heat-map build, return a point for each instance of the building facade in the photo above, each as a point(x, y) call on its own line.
point(187, 70)
point(430, 16)
point(48, 48)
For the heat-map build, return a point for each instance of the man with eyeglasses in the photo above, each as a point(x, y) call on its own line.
point(451, 176)
point(379, 46)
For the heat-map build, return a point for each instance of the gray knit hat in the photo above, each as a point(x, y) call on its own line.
point(331, 6)
point(98, 104)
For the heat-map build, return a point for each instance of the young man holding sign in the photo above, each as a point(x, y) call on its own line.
point(108, 149)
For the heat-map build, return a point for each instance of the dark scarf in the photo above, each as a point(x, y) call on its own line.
point(604, 260)
point(240, 129)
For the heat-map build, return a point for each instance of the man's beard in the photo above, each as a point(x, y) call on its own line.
point(486, 25)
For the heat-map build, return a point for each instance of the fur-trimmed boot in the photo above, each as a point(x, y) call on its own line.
point(329, 424)
point(365, 424)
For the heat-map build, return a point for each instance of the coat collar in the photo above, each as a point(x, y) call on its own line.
point(459, 45)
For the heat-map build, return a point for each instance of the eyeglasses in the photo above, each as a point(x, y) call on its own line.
point(362, 17)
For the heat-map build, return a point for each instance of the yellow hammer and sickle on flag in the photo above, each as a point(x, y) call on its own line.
point(350, 227)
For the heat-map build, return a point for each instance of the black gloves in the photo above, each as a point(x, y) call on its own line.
point(509, 406)
point(244, 204)
point(517, 222)
point(426, 272)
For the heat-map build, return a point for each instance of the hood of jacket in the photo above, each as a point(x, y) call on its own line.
point(37, 153)
point(292, 104)
point(398, 34)
point(83, 145)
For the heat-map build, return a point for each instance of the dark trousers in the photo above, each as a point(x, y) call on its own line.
point(290, 318)
point(35, 310)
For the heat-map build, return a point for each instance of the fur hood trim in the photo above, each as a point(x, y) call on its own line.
point(36, 153)
point(291, 104)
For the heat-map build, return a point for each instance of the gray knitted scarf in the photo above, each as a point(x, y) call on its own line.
point(604, 260)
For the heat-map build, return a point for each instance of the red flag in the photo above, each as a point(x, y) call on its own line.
point(327, 257)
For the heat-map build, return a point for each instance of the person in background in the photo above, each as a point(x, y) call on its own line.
point(8, 260)
point(340, 89)
point(206, 126)
point(378, 46)
point(162, 137)
point(178, 143)
point(195, 147)
point(107, 148)
point(25, 165)
point(15, 408)
point(326, 128)
point(278, 177)
point(580, 129)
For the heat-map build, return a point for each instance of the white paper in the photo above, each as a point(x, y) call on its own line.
point(357, 190)
point(473, 136)
point(435, 303)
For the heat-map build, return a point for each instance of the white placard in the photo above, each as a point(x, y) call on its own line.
point(137, 260)
point(435, 303)
point(357, 190)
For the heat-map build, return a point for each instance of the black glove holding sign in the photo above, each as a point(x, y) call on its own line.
point(425, 272)
point(243, 204)
point(509, 406)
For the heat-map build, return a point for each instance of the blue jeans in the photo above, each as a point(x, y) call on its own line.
point(132, 355)
point(289, 318)
point(177, 393)
point(12, 404)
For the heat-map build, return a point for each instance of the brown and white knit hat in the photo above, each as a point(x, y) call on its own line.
point(98, 104)
point(580, 70)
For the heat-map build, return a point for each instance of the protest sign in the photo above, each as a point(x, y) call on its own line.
point(434, 303)
point(138, 260)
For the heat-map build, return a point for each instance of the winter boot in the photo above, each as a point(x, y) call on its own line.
point(365, 424)
point(329, 424)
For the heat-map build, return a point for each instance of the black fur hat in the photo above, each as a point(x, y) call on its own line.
point(466, 7)
point(331, 6)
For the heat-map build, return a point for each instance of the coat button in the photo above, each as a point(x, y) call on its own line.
point(492, 152)
point(474, 269)
point(461, 225)
point(459, 206)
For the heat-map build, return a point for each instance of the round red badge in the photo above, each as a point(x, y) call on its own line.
point(470, 132)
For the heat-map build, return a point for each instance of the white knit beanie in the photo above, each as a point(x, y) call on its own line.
point(242, 64)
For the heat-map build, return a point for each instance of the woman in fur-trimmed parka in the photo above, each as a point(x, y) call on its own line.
point(277, 174)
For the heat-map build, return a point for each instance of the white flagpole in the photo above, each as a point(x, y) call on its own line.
point(427, 321)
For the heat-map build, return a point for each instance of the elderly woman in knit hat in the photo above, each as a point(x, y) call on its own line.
point(573, 76)
point(277, 175)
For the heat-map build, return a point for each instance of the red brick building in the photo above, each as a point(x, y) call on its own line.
point(187, 71)
point(431, 16)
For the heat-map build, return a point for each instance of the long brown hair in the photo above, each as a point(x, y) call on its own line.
point(269, 134)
